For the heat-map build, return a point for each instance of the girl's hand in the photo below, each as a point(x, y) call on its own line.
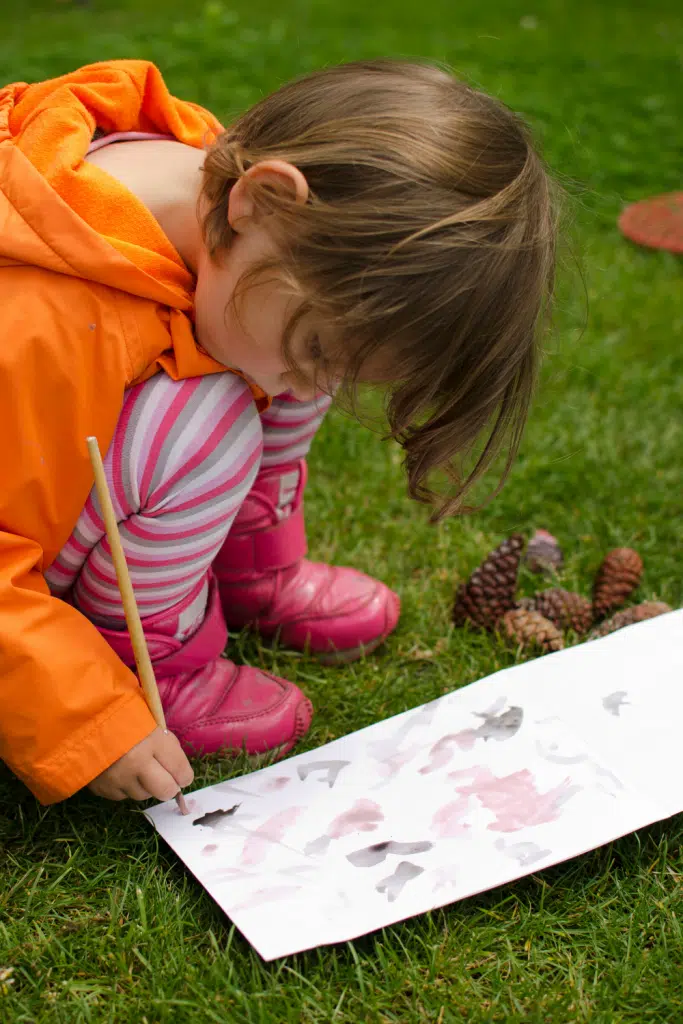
point(155, 767)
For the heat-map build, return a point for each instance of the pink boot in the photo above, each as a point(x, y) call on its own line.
point(211, 704)
point(266, 582)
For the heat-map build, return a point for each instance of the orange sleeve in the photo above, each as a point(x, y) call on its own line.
point(68, 706)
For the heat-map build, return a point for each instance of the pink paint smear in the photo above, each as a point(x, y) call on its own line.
point(448, 823)
point(364, 816)
point(514, 799)
point(271, 831)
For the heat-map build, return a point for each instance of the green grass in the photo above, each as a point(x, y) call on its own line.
point(97, 918)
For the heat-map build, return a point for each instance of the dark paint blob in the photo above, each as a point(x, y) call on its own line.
point(213, 818)
point(393, 885)
point(371, 855)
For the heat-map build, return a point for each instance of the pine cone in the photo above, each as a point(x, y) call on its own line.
point(618, 576)
point(543, 553)
point(490, 590)
point(565, 609)
point(638, 613)
point(530, 628)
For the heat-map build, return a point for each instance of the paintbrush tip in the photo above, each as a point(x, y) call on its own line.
point(182, 803)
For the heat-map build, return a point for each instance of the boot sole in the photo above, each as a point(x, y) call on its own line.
point(350, 654)
point(334, 657)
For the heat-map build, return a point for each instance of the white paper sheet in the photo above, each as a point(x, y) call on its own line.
point(521, 770)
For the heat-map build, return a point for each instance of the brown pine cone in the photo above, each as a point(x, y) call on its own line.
point(543, 553)
point(618, 576)
point(530, 628)
point(565, 609)
point(638, 613)
point(490, 590)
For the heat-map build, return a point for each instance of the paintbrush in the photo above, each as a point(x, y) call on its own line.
point(130, 608)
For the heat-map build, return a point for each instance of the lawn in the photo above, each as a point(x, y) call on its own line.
point(97, 919)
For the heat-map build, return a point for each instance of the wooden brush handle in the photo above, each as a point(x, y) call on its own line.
point(130, 607)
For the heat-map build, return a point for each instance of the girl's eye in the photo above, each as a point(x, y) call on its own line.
point(315, 350)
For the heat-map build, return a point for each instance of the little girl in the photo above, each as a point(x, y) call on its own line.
point(193, 297)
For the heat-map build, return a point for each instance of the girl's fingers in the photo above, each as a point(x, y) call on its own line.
point(170, 756)
point(107, 792)
point(136, 789)
point(157, 781)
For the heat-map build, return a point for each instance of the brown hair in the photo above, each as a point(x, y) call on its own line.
point(427, 245)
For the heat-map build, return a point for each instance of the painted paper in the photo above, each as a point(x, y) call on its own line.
point(518, 771)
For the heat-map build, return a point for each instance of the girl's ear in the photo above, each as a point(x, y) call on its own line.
point(278, 175)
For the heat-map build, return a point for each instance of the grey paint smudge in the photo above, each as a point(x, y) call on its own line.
point(607, 774)
point(393, 885)
point(318, 846)
point(523, 853)
point(548, 754)
point(213, 819)
point(388, 753)
point(423, 716)
point(578, 759)
point(494, 727)
point(378, 852)
point(613, 702)
point(499, 727)
point(332, 768)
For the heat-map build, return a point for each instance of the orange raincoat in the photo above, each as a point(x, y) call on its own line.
point(93, 299)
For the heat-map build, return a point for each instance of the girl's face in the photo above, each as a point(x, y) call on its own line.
point(247, 335)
